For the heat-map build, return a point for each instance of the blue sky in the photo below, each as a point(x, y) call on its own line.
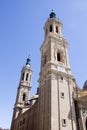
point(21, 34)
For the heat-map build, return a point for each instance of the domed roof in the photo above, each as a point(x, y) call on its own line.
point(85, 85)
point(52, 15)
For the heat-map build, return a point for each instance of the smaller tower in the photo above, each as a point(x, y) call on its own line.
point(24, 87)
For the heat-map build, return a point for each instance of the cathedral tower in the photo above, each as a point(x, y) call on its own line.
point(56, 82)
point(24, 87)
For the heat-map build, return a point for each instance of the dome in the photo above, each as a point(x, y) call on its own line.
point(85, 85)
point(52, 15)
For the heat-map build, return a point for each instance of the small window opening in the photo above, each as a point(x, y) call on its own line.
point(27, 77)
point(63, 122)
point(51, 29)
point(24, 96)
point(23, 76)
point(58, 56)
point(56, 29)
point(62, 94)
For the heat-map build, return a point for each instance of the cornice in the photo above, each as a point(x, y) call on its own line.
point(55, 39)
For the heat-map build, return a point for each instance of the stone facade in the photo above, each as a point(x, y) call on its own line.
point(58, 104)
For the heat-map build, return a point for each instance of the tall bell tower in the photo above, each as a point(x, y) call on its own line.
point(23, 93)
point(56, 82)
point(24, 87)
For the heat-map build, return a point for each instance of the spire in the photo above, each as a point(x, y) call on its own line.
point(52, 14)
point(28, 61)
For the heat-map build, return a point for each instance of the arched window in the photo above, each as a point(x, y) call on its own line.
point(86, 124)
point(58, 56)
point(23, 76)
point(56, 29)
point(24, 97)
point(45, 60)
point(27, 77)
point(51, 29)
